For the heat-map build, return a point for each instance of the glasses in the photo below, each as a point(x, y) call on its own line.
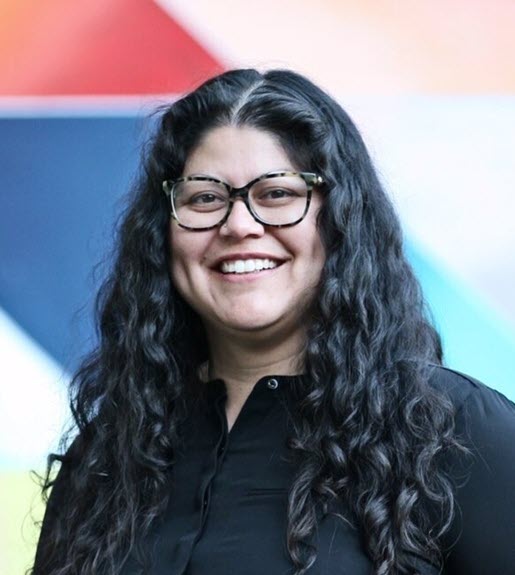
point(277, 199)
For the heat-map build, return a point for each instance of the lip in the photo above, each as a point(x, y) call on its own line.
point(246, 256)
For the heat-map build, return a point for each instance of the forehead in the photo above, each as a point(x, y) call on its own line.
point(237, 154)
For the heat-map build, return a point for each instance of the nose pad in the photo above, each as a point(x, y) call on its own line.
point(241, 221)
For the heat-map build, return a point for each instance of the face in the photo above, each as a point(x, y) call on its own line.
point(257, 302)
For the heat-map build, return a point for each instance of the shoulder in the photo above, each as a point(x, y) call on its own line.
point(483, 532)
point(469, 395)
point(484, 419)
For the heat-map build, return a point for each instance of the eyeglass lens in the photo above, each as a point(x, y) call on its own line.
point(277, 200)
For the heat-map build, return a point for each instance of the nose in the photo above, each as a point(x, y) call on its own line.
point(241, 223)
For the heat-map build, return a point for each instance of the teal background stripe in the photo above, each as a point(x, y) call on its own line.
point(476, 339)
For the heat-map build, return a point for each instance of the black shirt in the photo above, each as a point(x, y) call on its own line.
point(227, 511)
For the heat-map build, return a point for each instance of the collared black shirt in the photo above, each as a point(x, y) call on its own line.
point(227, 510)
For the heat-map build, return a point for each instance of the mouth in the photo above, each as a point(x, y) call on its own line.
point(247, 265)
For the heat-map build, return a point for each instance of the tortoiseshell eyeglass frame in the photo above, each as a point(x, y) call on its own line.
point(312, 180)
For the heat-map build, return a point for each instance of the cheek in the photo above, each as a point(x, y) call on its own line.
point(318, 248)
point(308, 253)
point(178, 261)
point(187, 252)
point(311, 246)
point(177, 275)
point(317, 263)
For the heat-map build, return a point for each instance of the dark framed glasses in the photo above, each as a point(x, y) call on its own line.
point(277, 199)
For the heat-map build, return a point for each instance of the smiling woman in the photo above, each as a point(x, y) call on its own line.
point(268, 395)
point(216, 270)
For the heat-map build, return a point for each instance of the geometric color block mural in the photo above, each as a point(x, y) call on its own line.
point(78, 82)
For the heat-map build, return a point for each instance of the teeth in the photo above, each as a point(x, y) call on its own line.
point(250, 265)
point(247, 266)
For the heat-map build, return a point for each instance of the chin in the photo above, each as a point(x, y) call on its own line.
point(259, 323)
point(250, 326)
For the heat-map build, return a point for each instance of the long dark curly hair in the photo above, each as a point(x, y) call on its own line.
point(369, 429)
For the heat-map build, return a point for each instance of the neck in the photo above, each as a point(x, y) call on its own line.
point(241, 360)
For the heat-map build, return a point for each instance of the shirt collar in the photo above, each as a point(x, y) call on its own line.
point(269, 384)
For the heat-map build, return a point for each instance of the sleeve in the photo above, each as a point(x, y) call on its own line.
point(45, 561)
point(482, 538)
point(42, 562)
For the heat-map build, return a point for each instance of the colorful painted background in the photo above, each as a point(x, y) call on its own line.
point(430, 84)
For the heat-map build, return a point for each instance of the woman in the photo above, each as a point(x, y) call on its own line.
point(267, 395)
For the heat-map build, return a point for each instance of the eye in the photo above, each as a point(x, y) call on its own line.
point(275, 196)
point(278, 193)
point(205, 201)
point(206, 198)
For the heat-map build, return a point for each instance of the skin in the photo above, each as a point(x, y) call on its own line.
point(255, 323)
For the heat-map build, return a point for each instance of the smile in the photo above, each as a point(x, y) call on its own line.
point(248, 266)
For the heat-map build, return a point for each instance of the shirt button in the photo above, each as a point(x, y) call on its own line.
point(272, 383)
